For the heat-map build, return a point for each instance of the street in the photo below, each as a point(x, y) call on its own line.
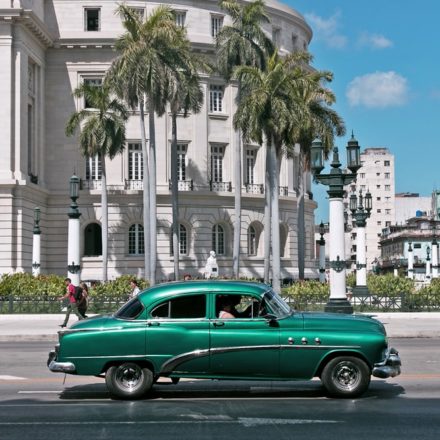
point(35, 403)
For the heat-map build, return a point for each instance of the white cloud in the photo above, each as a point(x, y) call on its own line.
point(379, 89)
point(375, 41)
point(326, 30)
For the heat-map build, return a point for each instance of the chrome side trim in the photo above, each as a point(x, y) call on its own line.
point(171, 364)
point(91, 329)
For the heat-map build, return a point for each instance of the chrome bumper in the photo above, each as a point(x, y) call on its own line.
point(390, 367)
point(59, 367)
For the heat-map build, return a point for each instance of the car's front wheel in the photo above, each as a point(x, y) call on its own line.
point(128, 380)
point(346, 376)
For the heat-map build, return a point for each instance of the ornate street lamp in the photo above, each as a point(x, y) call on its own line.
point(321, 243)
point(336, 180)
point(360, 208)
point(36, 243)
point(73, 256)
point(410, 261)
point(428, 264)
point(434, 253)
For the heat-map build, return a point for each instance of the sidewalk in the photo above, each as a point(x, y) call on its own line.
point(45, 327)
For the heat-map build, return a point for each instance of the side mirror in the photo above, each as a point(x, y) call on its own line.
point(272, 320)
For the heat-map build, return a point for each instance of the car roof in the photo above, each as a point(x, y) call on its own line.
point(204, 286)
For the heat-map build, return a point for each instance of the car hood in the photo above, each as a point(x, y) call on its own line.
point(93, 322)
point(342, 321)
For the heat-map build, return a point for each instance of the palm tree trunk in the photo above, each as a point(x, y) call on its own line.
point(301, 220)
point(274, 198)
point(237, 198)
point(175, 195)
point(153, 191)
point(267, 215)
point(146, 192)
point(104, 219)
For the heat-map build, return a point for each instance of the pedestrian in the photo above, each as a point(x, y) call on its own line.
point(134, 288)
point(72, 306)
point(84, 301)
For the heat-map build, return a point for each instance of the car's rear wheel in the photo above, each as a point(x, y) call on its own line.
point(128, 380)
point(346, 376)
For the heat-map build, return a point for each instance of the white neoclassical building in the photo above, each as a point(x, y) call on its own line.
point(47, 48)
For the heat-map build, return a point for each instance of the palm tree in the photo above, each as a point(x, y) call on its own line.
point(318, 120)
point(102, 132)
point(242, 44)
point(185, 95)
point(267, 112)
point(149, 54)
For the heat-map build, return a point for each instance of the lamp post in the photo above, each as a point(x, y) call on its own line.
point(321, 243)
point(73, 258)
point(434, 256)
point(428, 265)
point(360, 208)
point(336, 180)
point(410, 261)
point(36, 243)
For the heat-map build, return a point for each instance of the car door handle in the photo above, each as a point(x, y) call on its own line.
point(153, 324)
point(218, 324)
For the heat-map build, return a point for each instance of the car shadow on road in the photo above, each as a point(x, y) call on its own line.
point(227, 389)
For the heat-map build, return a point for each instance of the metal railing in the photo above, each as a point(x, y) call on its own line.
point(183, 185)
point(220, 186)
point(254, 188)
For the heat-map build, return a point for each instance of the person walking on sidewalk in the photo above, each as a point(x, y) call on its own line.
point(84, 300)
point(72, 306)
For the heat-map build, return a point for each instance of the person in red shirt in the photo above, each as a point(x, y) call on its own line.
point(72, 306)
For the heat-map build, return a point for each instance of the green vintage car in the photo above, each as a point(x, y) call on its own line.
point(223, 330)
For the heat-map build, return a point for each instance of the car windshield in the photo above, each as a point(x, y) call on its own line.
point(276, 304)
point(130, 310)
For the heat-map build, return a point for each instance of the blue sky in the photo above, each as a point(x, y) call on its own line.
point(385, 56)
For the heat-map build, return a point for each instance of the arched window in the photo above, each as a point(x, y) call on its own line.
point(92, 240)
point(218, 239)
point(183, 240)
point(252, 241)
point(136, 240)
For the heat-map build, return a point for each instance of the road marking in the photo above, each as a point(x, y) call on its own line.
point(246, 422)
point(251, 422)
point(6, 377)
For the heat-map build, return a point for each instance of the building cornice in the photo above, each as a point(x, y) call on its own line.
point(30, 21)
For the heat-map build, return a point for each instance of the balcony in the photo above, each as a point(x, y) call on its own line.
point(284, 191)
point(220, 186)
point(90, 184)
point(134, 184)
point(254, 188)
point(183, 185)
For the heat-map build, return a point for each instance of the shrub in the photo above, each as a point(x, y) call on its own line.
point(303, 294)
point(25, 284)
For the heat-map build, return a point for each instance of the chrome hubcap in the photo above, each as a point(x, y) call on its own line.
point(129, 376)
point(346, 376)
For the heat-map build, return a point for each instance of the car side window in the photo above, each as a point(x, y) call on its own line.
point(240, 306)
point(185, 307)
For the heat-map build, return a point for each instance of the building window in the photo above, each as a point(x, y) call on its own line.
point(252, 241)
point(218, 240)
point(217, 153)
point(93, 168)
point(94, 82)
point(216, 25)
point(91, 18)
point(136, 240)
point(216, 98)
point(377, 174)
point(387, 211)
point(92, 240)
point(250, 165)
point(386, 224)
point(183, 241)
point(386, 163)
point(135, 161)
point(181, 161)
point(140, 12)
point(362, 175)
point(379, 211)
point(378, 199)
point(387, 187)
point(180, 18)
point(276, 36)
point(387, 175)
point(363, 187)
point(378, 186)
point(379, 223)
